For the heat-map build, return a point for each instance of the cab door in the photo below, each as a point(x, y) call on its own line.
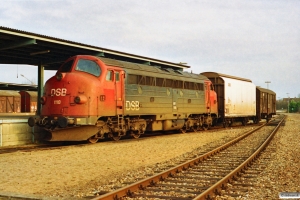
point(112, 93)
point(207, 96)
point(119, 91)
point(174, 98)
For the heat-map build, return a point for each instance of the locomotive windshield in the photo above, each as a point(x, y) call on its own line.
point(88, 66)
point(66, 67)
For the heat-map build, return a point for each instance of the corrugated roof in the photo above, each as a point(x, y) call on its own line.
point(215, 74)
point(21, 47)
point(265, 90)
point(18, 87)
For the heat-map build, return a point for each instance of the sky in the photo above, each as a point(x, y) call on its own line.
point(258, 39)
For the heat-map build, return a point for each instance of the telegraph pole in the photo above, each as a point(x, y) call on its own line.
point(267, 82)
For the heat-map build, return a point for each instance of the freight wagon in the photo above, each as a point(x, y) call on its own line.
point(266, 103)
point(28, 101)
point(10, 101)
point(236, 98)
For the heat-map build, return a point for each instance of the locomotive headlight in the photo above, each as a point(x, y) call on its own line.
point(43, 100)
point(80, 99)
point(59, 76)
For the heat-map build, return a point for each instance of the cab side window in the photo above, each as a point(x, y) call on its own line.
point(109, 75)
point(117, 74)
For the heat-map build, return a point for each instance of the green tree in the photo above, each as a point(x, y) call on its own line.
point(294, 106)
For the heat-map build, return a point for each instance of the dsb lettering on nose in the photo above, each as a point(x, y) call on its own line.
point(59, 92)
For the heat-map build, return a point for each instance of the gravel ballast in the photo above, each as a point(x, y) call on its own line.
point(79, 171)
point(282, 163)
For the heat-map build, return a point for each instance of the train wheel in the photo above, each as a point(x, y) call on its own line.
point(244, 122)
point(195, 128)
point(205, 127)
point(135, 134)
point(225, 124)
point(93, 139)
point(114, 136)
point(183, 129)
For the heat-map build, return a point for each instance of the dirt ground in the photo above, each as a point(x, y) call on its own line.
point(75, 171)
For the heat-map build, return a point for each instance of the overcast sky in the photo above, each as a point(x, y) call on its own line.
point(257, 39)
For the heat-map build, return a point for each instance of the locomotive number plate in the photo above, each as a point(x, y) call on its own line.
point(57, 102)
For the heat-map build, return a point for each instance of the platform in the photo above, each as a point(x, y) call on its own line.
point(14, 129)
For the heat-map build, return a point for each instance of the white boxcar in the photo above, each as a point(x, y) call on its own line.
point(236, 97)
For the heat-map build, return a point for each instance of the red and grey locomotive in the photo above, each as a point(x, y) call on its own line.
point(91, 97)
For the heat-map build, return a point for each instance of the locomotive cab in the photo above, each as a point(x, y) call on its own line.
point(77, 95)
point(211, 100)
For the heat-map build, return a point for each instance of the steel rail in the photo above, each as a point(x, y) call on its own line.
point(220, 184)
point(127, 190)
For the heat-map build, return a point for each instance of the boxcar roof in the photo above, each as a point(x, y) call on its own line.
point(265, 90)
point(9, 93)
point(31, 93)
point(216, 75)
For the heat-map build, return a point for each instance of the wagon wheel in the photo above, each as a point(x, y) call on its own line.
point(225, 124)
point(244, 122)
point(135, 134)
point(256, 120)
point(205, 127)
point(93, 139)
point(114, 136)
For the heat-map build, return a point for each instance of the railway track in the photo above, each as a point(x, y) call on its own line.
point(203, 177)
point(40, 147)
point(59, 145)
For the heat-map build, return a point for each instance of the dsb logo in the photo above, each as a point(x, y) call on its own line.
point(132, 105)
point(59, 92)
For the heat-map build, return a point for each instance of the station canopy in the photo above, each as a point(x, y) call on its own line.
point(18, 87)
point(20, 47)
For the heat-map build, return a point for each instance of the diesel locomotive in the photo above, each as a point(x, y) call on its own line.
point(91, 98)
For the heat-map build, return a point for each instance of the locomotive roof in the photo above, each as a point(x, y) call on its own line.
point(21, 47)
point(142, 68)
point(216, 75)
